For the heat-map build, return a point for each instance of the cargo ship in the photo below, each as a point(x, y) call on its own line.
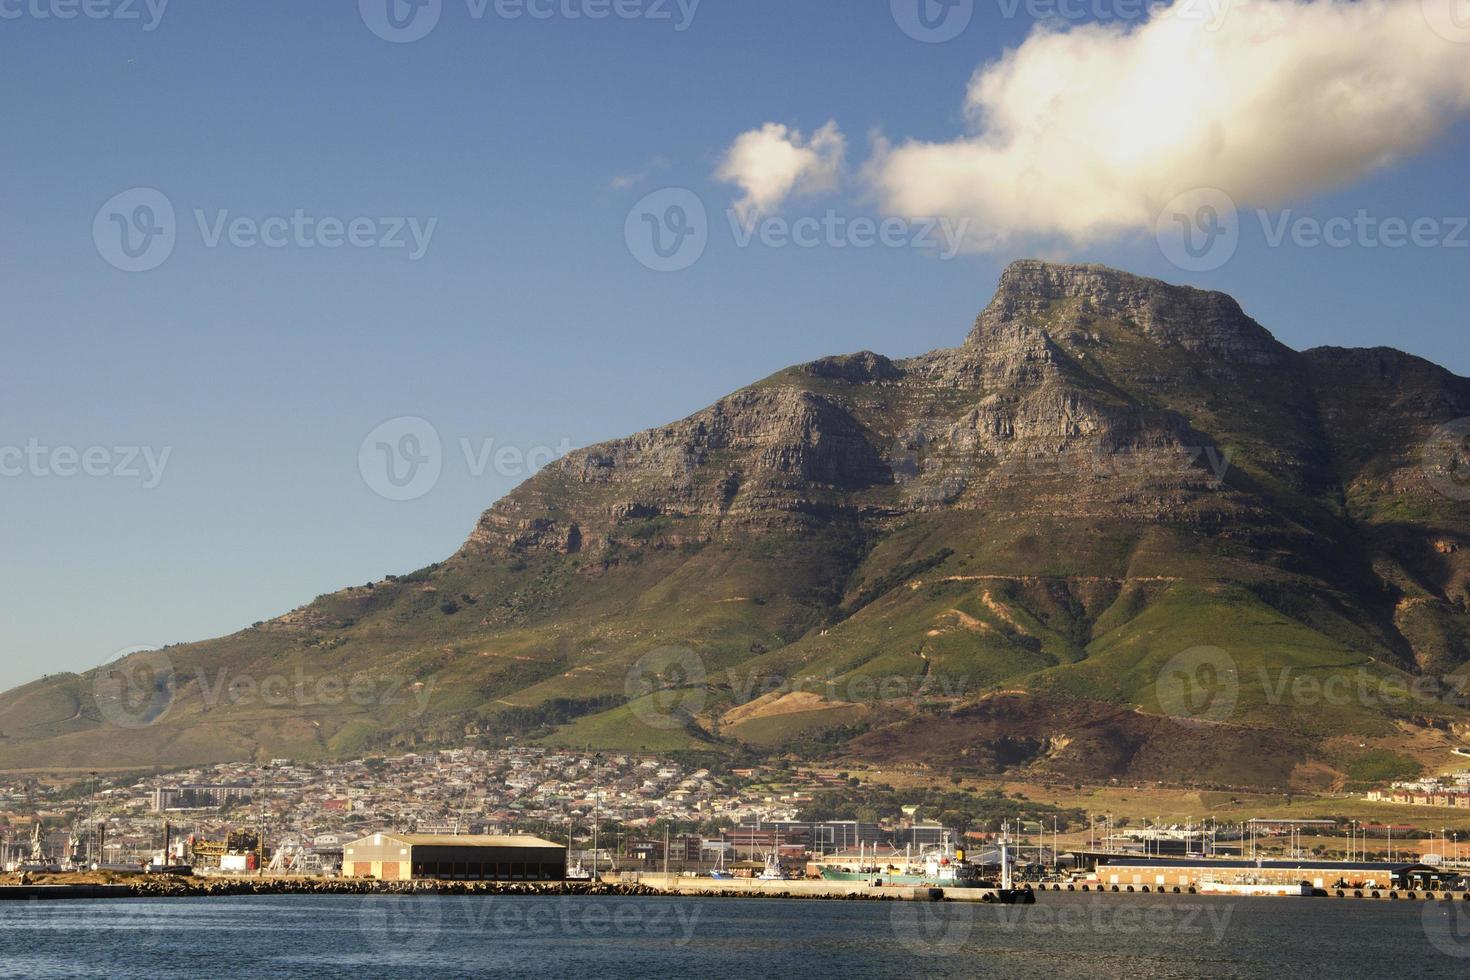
point(943, 866)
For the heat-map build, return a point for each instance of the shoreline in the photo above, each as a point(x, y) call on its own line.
point(64, 887)
point(88, 886)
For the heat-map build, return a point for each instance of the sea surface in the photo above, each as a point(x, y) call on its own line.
point(1063, 935)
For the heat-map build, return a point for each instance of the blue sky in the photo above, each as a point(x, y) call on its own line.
point(527, 320)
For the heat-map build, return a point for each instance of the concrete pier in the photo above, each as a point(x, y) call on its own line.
point(808, 888)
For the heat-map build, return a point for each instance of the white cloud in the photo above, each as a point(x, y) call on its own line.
point(1087, 132)
point(623, 182)
point(773, 162)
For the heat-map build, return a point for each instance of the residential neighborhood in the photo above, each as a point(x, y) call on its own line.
point(309, 810)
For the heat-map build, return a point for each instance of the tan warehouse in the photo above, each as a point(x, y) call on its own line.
point(1166, 873)
point(401, 857)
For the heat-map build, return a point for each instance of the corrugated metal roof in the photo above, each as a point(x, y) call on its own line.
point(464, 840)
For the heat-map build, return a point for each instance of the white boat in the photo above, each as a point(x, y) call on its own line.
point(773, 870)
point(1254, 887)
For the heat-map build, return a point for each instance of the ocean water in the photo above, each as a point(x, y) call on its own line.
point(1063, 935)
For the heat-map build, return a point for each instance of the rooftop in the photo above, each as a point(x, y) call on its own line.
point(465, 840)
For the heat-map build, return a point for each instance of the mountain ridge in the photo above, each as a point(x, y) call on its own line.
point(1107, 472)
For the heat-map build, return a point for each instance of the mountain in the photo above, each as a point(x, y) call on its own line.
point(1120, 531)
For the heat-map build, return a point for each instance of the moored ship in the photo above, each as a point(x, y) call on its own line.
point(943, 866)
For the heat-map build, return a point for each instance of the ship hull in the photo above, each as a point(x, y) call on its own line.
point(900, 880)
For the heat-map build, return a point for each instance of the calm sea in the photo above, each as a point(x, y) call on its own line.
point(436, 937)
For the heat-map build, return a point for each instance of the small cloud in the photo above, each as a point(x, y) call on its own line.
point(624, 182)
point(773, 162)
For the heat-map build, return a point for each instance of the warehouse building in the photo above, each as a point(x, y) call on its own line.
point(1323, 875)
point(401, 857)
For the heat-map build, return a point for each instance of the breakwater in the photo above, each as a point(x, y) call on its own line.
point(168, 886)
point(1391, 894)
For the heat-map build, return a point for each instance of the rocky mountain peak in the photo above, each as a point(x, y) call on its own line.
point(1058, 299)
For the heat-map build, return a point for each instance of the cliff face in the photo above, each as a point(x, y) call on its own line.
point(1193, 320)
point(1108, 471)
